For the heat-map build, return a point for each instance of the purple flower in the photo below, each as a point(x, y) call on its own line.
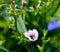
point(32, 35)
point(53, 25)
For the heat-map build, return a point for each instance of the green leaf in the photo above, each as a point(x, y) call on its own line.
point(20, 25)
point(3, 48)
point(39, 47)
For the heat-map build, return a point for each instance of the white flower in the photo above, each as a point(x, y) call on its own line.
point(32, 35)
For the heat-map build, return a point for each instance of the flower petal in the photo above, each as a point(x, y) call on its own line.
point(26, 34)
point(35, 32)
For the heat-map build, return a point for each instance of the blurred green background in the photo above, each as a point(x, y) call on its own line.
point(37, 18)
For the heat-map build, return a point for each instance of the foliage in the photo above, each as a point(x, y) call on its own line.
point(19, 16)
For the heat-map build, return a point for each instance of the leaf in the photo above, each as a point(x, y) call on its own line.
point(3, 48)
point(20, 25)
point(39, 47)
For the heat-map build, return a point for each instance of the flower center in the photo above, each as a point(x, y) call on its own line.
point(32, 37)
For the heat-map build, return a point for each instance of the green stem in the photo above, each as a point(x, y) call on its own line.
point(24, 17)
point(43, 40)
point(43, 44)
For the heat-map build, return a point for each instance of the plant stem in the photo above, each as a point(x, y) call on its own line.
point(43, 44)
point(43, 41)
